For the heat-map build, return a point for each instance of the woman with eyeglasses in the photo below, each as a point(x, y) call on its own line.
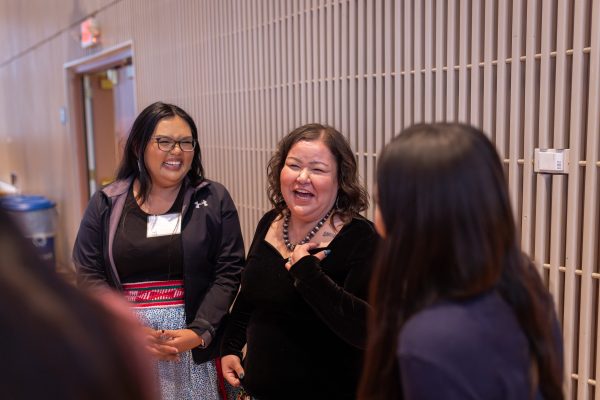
point(170, 240)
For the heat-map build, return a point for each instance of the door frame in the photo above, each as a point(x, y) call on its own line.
point(74, 71)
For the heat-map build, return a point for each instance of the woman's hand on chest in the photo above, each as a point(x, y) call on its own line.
point(303, 250)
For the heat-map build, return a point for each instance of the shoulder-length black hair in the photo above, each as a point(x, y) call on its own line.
point(352, 198)
point(133, 165)
point(450, 234)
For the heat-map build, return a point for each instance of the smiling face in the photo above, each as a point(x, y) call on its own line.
point(168, 168)
point(308, 180)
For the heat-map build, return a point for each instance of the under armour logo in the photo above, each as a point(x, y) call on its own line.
point(201, 203)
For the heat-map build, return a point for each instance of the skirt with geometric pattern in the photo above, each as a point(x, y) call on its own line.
point(159, 305)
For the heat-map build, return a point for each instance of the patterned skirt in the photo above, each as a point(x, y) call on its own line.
point(159, 304)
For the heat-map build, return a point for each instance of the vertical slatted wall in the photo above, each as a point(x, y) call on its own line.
point(527, 72)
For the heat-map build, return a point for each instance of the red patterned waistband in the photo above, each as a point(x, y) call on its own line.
point(154, 293)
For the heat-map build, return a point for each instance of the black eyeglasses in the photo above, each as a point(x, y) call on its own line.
point(167, 144)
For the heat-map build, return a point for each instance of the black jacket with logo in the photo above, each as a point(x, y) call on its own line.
point(213, 253)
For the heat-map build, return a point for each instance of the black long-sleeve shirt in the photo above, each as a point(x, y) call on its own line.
point(304, 328)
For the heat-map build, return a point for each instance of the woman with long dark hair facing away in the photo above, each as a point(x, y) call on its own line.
point(459, 312)
point(302, 308)
point(170, 240)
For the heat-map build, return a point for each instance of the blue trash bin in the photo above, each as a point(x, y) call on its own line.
point(36, 216)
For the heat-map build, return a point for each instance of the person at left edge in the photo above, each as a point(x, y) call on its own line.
point(170, 240)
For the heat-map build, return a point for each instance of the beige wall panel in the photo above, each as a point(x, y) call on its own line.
point(577, 137)
point(249, 71)
point(477, 36)
point(559, 227)
point(591, 235)
point(544, 183)
point(530, 95)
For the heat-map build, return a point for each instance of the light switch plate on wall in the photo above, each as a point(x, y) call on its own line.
point(551, 161)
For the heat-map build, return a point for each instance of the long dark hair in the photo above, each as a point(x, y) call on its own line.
point(450, 234)
point(73, 346)
point(352, 198)
point(133, 164)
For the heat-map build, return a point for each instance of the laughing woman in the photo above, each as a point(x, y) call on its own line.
point(170, 240)
point(301, 310)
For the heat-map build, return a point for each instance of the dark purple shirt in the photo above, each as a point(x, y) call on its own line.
point(474, 349)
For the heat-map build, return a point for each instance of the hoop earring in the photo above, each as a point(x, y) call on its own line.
point(337, 199)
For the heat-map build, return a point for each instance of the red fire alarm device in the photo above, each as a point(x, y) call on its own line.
point(90, 32)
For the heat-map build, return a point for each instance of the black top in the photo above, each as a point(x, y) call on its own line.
point(473, 349)
point(304, 328)
point(139, 258)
